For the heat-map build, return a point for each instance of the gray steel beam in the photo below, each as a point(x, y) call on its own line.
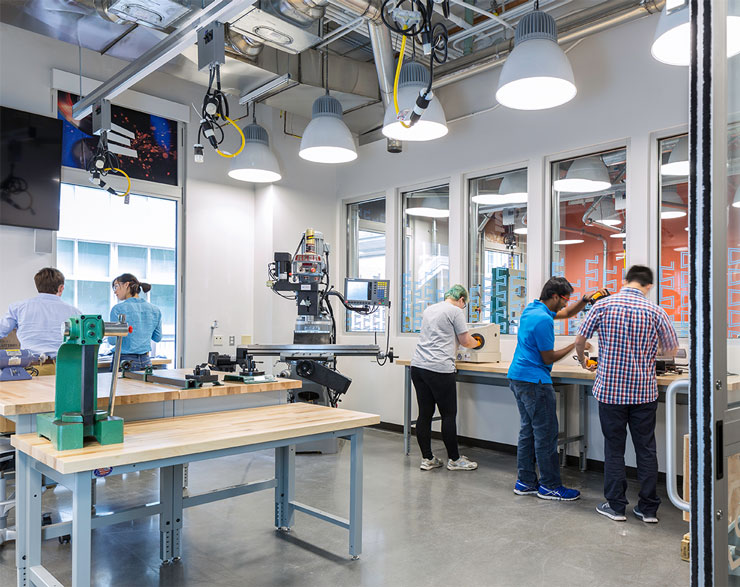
point(161, 53)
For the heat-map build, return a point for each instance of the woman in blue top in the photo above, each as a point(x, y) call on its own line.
point(145, 318)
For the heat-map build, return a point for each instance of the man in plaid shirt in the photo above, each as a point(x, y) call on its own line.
point(631, 328)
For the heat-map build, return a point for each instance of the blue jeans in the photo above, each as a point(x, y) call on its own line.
point(538, 436)
point(138, 362)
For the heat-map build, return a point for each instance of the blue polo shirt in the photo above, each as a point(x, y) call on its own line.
point(536, 333)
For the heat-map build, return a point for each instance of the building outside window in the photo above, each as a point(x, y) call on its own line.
point(366, 257)
point(424, 252)
point(589, 233)
point(497, 249)
point(100, 238)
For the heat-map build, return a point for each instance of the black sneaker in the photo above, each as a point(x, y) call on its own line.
point(605, 510)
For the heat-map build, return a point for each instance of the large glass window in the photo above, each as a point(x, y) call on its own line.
point(673, 282)
point(497, 249)
point(424, 252)
point(366, 256)
point(733, 223)
point(100, 238)
point(589, 235)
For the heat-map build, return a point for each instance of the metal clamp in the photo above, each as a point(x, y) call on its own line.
point(670, 442)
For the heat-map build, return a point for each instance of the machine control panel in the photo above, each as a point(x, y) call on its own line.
point(371, 292)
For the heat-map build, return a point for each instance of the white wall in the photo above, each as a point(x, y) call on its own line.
point(623, 96)
point(218, 237)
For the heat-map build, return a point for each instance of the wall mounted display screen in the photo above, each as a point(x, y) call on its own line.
point(155, 141)
point(30, 169)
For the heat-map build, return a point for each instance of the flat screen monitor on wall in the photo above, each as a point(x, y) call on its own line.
point(30, 169)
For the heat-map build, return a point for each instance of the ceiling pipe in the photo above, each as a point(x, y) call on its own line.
point(503, 49)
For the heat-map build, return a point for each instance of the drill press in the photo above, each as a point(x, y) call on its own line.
point(75, 413)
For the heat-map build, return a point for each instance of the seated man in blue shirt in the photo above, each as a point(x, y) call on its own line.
point(529, 379)
point(39, 320)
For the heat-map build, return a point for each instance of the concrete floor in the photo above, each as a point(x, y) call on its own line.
point(422, 528)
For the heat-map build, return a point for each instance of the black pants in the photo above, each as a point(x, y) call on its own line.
point(438, 389)
point(641, 421)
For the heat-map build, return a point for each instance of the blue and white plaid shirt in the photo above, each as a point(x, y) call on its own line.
point(630, 328)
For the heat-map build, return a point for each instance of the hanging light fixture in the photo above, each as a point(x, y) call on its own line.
point(537, 74)
point(736, 199)
point(520, 227)
point(618, 235)
point(256, 163)
point(672, 205)
point(326, 138)
point(672, 42)
point(585, 175)
point(604, 212)
point(428, 207)
point(678, 160)
point(568, 241)
point(512, 190)
point(414, 77)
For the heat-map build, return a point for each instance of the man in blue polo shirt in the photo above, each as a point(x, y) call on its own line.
point(529, 379)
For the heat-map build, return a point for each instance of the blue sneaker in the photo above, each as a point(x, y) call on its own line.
point(562, 493)
point(521, 488)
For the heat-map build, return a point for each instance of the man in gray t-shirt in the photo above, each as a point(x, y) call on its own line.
point(443, 327)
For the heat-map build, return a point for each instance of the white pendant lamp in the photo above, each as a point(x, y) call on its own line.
point(537, 74)
point(513, 190)
point(428, 207)
point(618, 235)
point(672, 205)
point(256, 163)
point(585, 175)
point(520, 227)
point(678, 160)
point(672, 42)
point(568, 241)
point(736, 199)
point(432, 124)
point(326, 138)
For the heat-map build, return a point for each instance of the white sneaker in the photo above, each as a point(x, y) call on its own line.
point(429, 464)
point(461, 464)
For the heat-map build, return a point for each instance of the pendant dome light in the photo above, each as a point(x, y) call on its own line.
point(432, 124)
point(672, 42)
point(513, 190)
point(585, 175)
point(678, 159)
point(520, 227)
point(672, 205)
point(256, 163)
point(326, 138)
point(428, 207)
point(736, 199)
point(537, 74)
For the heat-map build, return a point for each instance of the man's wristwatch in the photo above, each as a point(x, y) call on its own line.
point(585, 299)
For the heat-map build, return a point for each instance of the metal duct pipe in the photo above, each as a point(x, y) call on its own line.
point(643, 8)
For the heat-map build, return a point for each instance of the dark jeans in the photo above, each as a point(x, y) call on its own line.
point(641, 421)
point(138, 362)
point(538, 436)
point(438, 389)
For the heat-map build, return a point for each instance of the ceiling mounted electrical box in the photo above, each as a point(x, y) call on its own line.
point(267, 23)
point(158, 14)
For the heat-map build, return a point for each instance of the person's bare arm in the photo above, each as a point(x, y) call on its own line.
point(573, 309)
point(581, 346)
point(554, 356)
point(465, 339)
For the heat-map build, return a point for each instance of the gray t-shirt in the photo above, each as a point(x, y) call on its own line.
point(441, 324)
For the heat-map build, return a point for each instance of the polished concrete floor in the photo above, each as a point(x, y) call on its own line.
point(422, 528)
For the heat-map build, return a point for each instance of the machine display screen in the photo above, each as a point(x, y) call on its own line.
point(373, 292)
point(358, 291)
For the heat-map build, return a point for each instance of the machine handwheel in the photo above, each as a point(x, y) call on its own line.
point(481, 341)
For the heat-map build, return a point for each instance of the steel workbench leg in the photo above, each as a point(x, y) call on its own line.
point(563, 397)
point(165, 516)
point(583, 424)
point(81, 530)
point(355, 495)
point(28, 517)
point(285, 489)
point(177, 474)
point(407, 410)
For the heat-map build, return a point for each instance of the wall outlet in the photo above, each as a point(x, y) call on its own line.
point(218, 340)
point(232, 340)
point(246, 339)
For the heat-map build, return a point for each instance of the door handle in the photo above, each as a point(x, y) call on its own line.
point(670, 442)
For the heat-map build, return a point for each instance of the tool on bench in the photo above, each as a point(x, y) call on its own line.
point(13, 364)
point(249, 372)
point(75, 415)
point(200, 375)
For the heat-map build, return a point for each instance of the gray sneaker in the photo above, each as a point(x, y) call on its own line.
point(606, 510)
point(461, 464)
point(647, 518)
point(429, 464)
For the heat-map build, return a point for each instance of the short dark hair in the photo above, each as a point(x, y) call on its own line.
point(48, 280)
point(556, 286)
point(641, 274)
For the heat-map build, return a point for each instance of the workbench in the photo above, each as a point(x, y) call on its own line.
point(563, 377)
point(21, 401)
point(167, 444)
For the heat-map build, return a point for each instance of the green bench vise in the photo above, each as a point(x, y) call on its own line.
point(75, 415)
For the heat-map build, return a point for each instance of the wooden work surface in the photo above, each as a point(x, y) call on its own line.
point(148, 440)
point(35, 396)
point(570, 371)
